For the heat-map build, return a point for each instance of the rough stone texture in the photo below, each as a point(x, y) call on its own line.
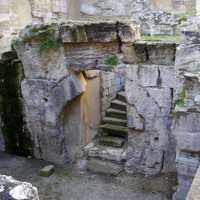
point(104, 167)
point(186, 115)
point(107, 153)
point(11, 189)
point(16, 14)
point(45, 102)
point(54, 81)
point(152, 20)
point(151, 147)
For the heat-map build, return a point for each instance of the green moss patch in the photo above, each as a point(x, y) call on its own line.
point(162, 38)
point(181, 99)
point(50, 42)
point(111, 60)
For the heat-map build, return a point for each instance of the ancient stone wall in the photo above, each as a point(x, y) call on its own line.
point(175, 6)
point(152, 16)
point(150, 83)
point(55, 58)
point(16, 14)
point(186, 124)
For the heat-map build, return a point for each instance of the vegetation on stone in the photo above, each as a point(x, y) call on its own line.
point(51, 42)
point(111, 60)
point(181, 99)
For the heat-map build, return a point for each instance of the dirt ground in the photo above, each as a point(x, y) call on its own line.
point(67, 184)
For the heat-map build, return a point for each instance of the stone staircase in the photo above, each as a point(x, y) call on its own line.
point(107, 153)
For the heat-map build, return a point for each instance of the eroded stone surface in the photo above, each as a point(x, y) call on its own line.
point(11, 189)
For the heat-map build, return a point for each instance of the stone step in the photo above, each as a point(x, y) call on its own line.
point(95, 150)
point(111, 141)
point(104, 167)
point(121, 96)
point(117, 104)
point(115, 113)
point(114, 121)
point(114, 130)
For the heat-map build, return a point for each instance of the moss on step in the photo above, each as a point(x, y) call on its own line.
point(16, 137)
point(111, 141)
point(115, 128)
point(162, 38)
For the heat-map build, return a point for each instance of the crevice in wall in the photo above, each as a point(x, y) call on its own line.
point(119, 38)
point(16, 136)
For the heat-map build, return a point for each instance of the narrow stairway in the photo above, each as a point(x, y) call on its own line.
point(108, 152)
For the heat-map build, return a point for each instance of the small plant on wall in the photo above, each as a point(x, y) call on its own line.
point(50, 42)
point(111, 61)
point(180, 101)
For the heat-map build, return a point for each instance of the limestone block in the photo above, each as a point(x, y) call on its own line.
point(44, 102)
point(49, 64)
point(154, 161)
point(135, 153)
point(47, 171)
point(168, 76)
point(103, 152)
point(187, 166)
point(157, 53)
point(135, 121)
point(89, 56)
point(143, 75)
point(127, 32)
point(162, 97)
point(104, 167)
point(187, 122)
point(187, 141)
point(187, 57)
point(148, 75)
point(12, 189)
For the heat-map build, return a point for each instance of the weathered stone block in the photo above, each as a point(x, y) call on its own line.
point(11, 189)
point(187, 122)
point(103, 152)
point(47, 171)
point(187, 141)
point(49, 64)
point(168, 77)
point(104, 167)
point(187, 166)
point(148, 75)
point(135, 121)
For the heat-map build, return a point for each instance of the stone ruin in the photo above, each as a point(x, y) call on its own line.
point(93, 92)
